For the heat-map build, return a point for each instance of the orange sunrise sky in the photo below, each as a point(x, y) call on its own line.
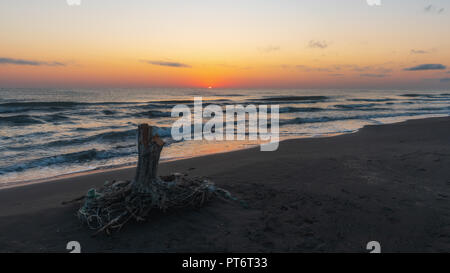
point(225, 44)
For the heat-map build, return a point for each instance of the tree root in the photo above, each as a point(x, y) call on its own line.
point(112, 206)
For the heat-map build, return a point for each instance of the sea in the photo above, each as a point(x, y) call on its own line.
point(47, 133)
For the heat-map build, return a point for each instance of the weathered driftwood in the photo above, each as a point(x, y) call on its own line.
point(149, 151)
point(113, 205)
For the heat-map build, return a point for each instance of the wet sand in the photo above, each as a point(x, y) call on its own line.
point(388, 183)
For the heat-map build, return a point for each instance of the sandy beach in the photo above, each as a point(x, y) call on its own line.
point(388, 183)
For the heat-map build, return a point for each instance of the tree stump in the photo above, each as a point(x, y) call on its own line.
point(115, 203)
point(149, 152)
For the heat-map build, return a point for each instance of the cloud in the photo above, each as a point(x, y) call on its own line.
point(269, 49)
point(433, 9)
point(317, 69)
point(370, 75)
point(28, 62)
point(318, 44)
point(445, 80)
point(426, 67)
point(419, 51)
point(366, 71)
point(166, 63)
point(369, 68)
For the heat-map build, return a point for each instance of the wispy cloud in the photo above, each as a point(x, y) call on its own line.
point(166, 63)
point(317, 69)
point(366, 71)
point(419, 51)
point(269, 49)
point(433, 9)
point(318, 44)
point(371, 75)
point(426, 67)
point(4, 61)
point(369, 68)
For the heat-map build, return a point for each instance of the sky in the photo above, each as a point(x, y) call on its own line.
point(225, 44)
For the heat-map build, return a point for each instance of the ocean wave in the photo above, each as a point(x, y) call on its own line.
point(109, 112)
point(106, 137)
point(92, 129)
point(292, 98)
point(300, 109)
point(189, 101)
point(54, 118)
point(355, 106)
point(371, 100)
point(60, 103)
point(152, 114)
point(30, 135)
point(24, 120)
point(126, 137)
point(42, 104)
point(435, 99)
point(418, 95)
point(356, 117)
point(156, 106)
point(339, 107)
point(432, 108)
point(442, 96)
point(76, 157)
point(51, 106)
point(19, 120)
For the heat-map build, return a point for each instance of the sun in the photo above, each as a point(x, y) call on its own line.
point(209, 87)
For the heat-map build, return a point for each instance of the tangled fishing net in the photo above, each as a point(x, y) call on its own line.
point(110, 207)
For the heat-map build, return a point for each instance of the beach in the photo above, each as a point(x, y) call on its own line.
point(387, 183)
